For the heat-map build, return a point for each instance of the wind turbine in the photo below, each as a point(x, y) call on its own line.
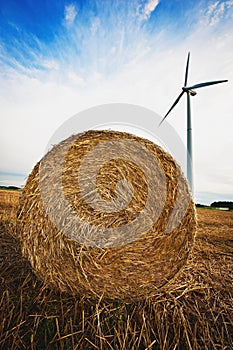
point(190, 92)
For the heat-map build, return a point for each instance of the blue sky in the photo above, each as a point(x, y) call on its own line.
point(60, 57)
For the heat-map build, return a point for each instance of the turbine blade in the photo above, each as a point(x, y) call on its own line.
point(174, 104)
point(187, 70)
point(196, 86)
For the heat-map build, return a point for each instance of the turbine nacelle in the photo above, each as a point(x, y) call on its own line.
point(189, 91)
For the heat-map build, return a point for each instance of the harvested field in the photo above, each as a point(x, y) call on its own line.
point(194, 311)
point(9, 201)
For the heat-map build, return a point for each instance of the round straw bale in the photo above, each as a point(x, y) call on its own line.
point(106, 213)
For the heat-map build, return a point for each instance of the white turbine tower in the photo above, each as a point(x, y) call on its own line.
point(190, 92)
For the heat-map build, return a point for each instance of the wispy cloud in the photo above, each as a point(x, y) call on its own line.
point(148, 8)
point(95, 25)
point(70, 14)
point(218, 10)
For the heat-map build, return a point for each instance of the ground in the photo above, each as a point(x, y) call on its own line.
point(194, 311)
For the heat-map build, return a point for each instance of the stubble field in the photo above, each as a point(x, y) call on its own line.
point(194, 311)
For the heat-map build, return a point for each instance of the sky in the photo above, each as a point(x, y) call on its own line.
point(58, 58)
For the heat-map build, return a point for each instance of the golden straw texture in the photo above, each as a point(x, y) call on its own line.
point(106, 213)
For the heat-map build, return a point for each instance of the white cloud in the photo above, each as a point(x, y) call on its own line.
point(212, 7)
point(217, 11)
point(50, 64)
point(95, 25)
point(149, 7)
point(75, 78)
point(70, 14)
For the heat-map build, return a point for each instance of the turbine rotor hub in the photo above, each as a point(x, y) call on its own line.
point(190, 91)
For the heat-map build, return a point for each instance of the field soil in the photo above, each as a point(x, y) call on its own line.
point(194, 311)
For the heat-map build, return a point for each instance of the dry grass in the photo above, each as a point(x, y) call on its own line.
point(194, 312)
point(126, 252)
point(9, 201)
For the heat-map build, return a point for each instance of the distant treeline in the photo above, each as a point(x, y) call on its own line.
point(223, 204)
point(198, 205)
point(12, 188)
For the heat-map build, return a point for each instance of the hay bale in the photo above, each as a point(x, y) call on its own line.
point(106, 213)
